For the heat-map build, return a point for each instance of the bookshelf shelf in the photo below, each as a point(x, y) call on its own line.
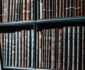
point(42, 24)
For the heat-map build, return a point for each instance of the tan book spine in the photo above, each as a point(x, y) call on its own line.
point(40, 48)
point(64, 31)
point(53, 49)
point(24, 10)
point(28, 10)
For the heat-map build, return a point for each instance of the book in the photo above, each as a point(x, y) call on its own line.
point(53, 49)
point(83, 48)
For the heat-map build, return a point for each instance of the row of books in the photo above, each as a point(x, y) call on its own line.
point(17, 48)
point(59, 48)
point(15, 44)
point(16, 10)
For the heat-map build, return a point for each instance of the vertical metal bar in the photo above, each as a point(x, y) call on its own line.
point(1, 62)
point(0, 10)
point(35, 31)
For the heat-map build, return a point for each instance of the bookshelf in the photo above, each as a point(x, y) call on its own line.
point(37, 35)
point(38, 23)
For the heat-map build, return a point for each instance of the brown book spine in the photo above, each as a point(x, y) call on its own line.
point(75, 5)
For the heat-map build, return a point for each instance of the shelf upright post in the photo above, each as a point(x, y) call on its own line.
point(35, 30)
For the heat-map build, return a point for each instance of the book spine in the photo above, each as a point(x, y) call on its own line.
point(49, 48)
point(69, 48)
point(75, 4)
point(23, 36)
point(37, 50)
point(4, 44)
point(18, 10)
point(82, 7)
point(32, 47)
point(60, 49)
point(44, 9)
point(79, 7)
point(13, 5)
point(30, 56)
point(83, 52)
point(82, 47)
point(78, 44)
point(46, 64)
point(66, 46)
point(21, 10)
point(53, 49)
point(22, 47)
point(38, 9)
point(73, 31)
point(31, 9)
point(71, 8)
point(67, 8)
point(13, 49)
point(28, 10)
point(79, 49)
point(41, 9)
point(56, 48)
point(26, 48)
point(19, 62)
point(24, 9)
point(64, 31)
point(15, 10)
point(16, 49)
point(60, 8)
point(54, 8)
point(47, 8)
point(63, 8)
point(10, 10)
point(6, 48)
point(28, 45)
point(9, 49)
point(42, 53)
point(3, 13)
point(21, 51)
point(40, 48)
point(57, 4)
point(43, 49)
point(5, 8)
point(46, 48)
